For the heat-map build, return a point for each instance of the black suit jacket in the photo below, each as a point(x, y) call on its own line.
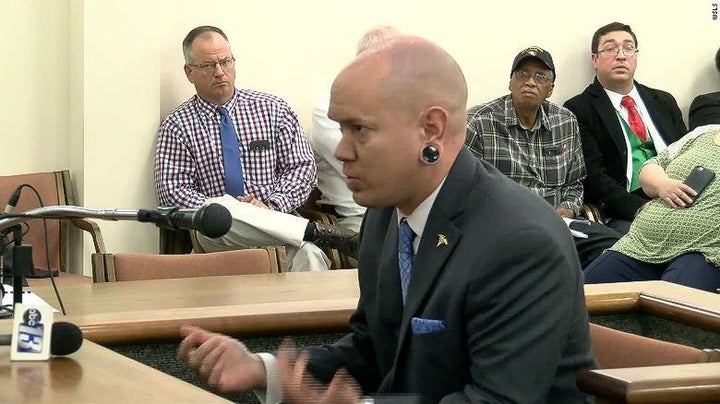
point(507, 285)
point(704, 110)
point(603, 142)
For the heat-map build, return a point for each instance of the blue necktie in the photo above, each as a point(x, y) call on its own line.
point(234, 181)
point(405, 255)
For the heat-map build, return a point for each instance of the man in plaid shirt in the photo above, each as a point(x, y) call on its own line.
point(272, 175)
point(537, 144)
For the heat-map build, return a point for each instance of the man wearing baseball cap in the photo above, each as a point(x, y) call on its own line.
point(536, 143)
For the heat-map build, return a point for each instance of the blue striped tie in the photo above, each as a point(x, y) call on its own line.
point(406, 255)
point(234, 180)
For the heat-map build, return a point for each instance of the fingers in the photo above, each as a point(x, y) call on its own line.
point(252, 200)
point(342, 389)
point(677, 194)
point(687, 189)
point(212, 365)
point(194, 337)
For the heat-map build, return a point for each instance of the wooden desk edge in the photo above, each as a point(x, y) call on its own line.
point(267, 318)
point(673, 383)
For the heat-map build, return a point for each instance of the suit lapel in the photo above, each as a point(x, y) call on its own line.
point(656, 109)
point(608, 116)
point(388, 286)
point(432, 252)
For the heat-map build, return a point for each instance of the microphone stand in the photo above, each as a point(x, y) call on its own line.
point(162, 217)
point(21, 255)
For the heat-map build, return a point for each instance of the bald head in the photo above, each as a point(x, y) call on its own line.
point(394, 102)
point(413, 73)
point(375, 36)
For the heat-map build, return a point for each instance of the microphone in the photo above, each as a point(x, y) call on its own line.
point(212, 220)
point(13, 201)
point(65, 338)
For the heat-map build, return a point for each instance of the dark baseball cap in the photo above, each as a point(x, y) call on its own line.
point(534, 52)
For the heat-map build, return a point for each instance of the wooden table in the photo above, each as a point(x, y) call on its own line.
point(93, 374)
point(124, 312)
point(121, 312)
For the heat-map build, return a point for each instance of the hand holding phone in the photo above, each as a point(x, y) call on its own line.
point(698, 179)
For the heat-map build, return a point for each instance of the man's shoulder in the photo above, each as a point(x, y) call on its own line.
point(585, 97)
point(655, 92)
point(184, 109)
point(490, 108)
point(262, 99)
point(555, 110)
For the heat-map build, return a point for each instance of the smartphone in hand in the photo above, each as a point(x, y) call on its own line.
point(698, 179)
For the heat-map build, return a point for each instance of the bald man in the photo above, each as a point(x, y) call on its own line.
point(470, 286)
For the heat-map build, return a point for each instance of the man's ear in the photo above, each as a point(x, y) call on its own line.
point(187, 73)
point(550, 89)
point(593, 60)
point(435, 123)
point(510, 85)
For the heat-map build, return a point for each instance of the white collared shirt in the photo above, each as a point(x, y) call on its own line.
point(658, 142)
point(418, 218)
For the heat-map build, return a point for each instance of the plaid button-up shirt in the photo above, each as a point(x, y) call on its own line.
point(277, 161)
point(548, 159)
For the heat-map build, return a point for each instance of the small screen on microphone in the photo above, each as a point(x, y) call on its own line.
point(31, 332)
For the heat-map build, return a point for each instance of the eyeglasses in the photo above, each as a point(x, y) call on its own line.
point(209, 67)
point(540, 78)
point(613, 51)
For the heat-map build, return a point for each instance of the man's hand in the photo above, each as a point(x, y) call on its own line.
point(298, 386)
point(223, 362)
point(251, 199)
point(565, 212)
point(675, 193)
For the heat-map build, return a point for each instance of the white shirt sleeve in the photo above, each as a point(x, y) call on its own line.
point(272, 393)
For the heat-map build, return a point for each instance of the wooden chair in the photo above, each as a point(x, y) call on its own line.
point(311, 211)
point(616, 349)
point(591, 212)
point(134, 267)
point(277, 253)
point(55, 188)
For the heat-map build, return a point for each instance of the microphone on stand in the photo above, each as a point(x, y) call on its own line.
point(8, 258)
point(212, 220)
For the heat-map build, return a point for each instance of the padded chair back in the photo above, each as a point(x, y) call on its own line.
point(134, 267)
point(55, 188)
point(277, 253)
point(618, 349)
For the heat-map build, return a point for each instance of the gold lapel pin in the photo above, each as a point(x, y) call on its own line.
point(442, 240)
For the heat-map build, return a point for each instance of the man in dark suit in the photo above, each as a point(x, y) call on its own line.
point(622, 124)
point(705, 109)
point(470, 288)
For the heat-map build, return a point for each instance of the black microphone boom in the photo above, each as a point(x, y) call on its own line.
point(212, 220)
point(65, 338)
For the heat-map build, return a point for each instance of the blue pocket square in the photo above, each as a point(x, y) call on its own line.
point(426, 325)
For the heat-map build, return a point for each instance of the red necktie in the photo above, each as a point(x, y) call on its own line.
point(636, 123)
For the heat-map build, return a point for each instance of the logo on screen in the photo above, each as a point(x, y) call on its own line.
point(31, 332)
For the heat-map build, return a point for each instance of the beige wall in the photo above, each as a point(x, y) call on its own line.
point(85, 83)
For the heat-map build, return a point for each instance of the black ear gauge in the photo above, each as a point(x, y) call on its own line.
point(430, 154)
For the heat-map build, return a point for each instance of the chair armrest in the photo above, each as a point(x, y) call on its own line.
point(591, 212)
point(94, 230)
point(693, 383)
